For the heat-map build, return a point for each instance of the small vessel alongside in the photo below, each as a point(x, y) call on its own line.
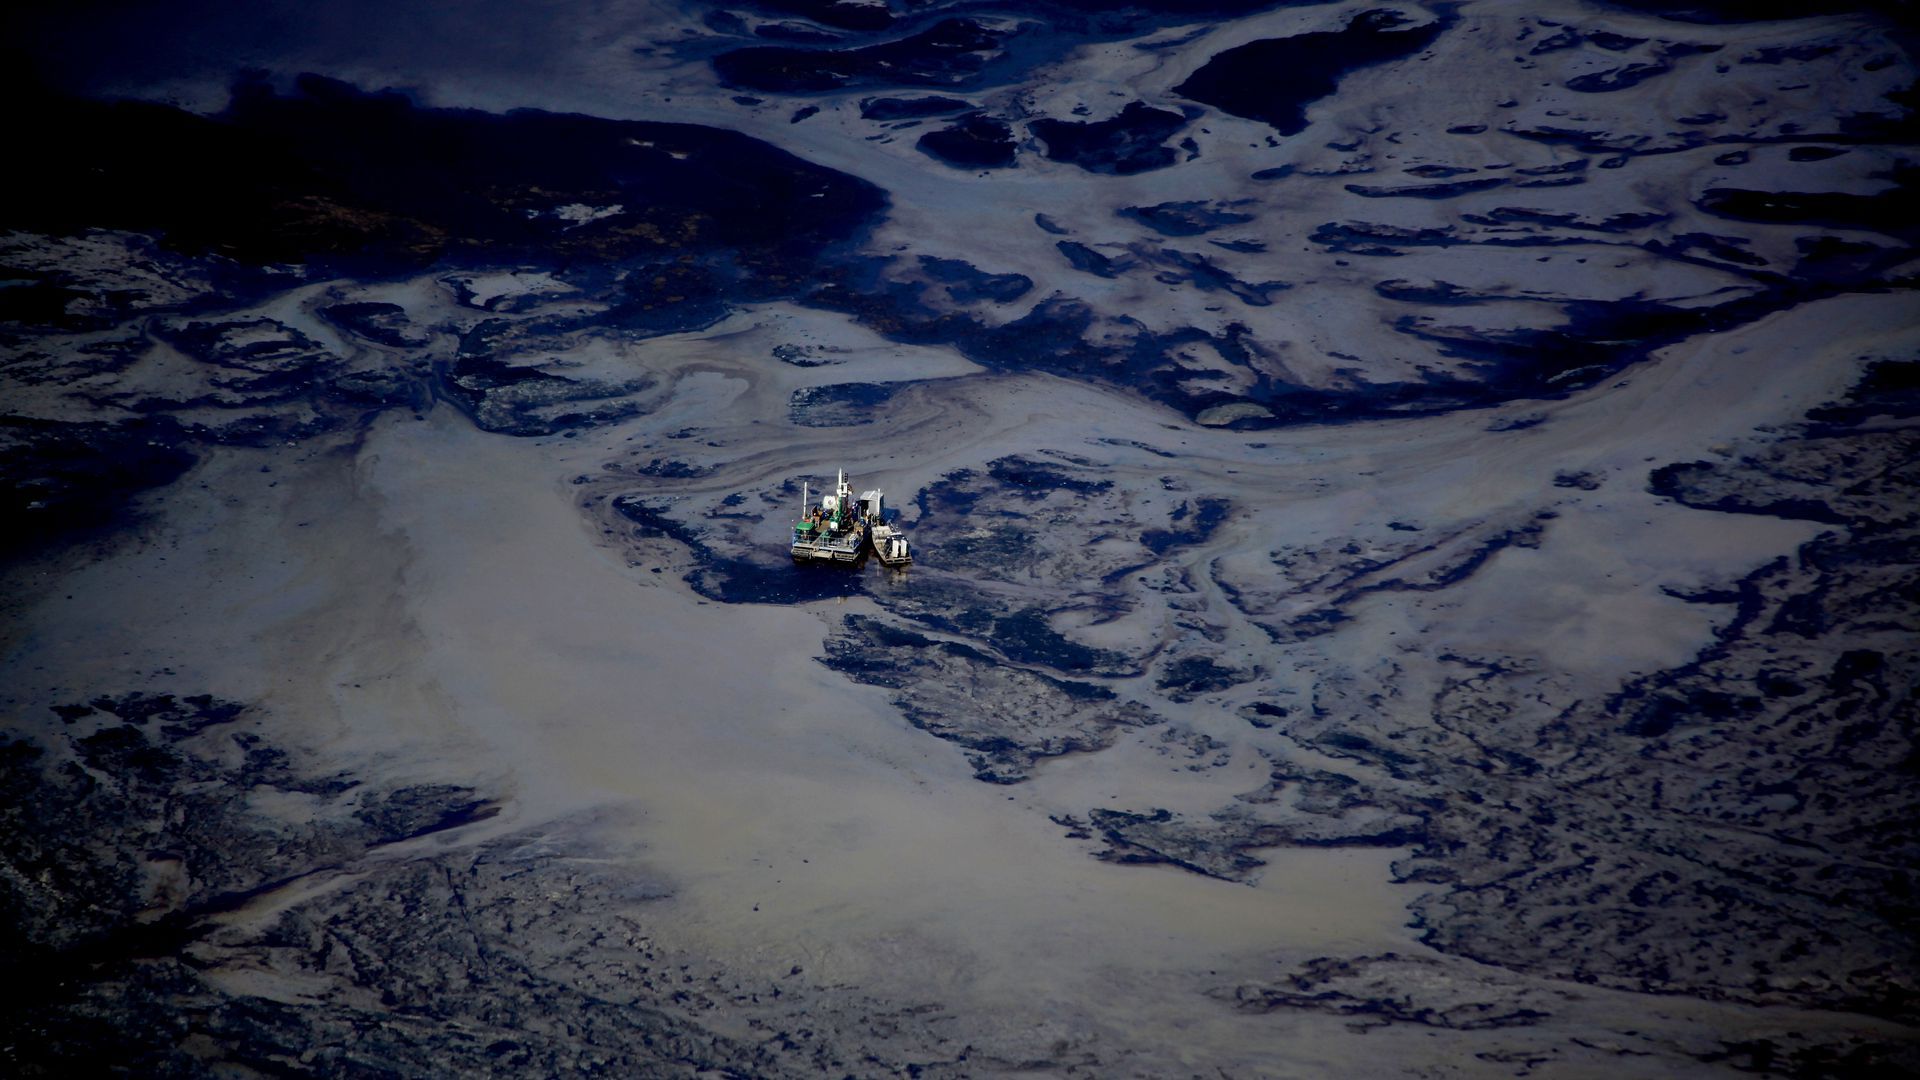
point(840, 528)
point(891, 545)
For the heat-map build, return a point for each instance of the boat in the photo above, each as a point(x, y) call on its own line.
point(833, 531)
point(840, 528)
point(891, 545)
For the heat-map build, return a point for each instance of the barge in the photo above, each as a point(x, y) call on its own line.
point(841, 528)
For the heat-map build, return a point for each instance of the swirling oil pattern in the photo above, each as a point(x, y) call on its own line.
point(1411, 508)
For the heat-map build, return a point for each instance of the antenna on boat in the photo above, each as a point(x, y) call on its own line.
point(803, 500)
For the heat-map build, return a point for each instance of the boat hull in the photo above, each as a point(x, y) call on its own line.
point(813, 553)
